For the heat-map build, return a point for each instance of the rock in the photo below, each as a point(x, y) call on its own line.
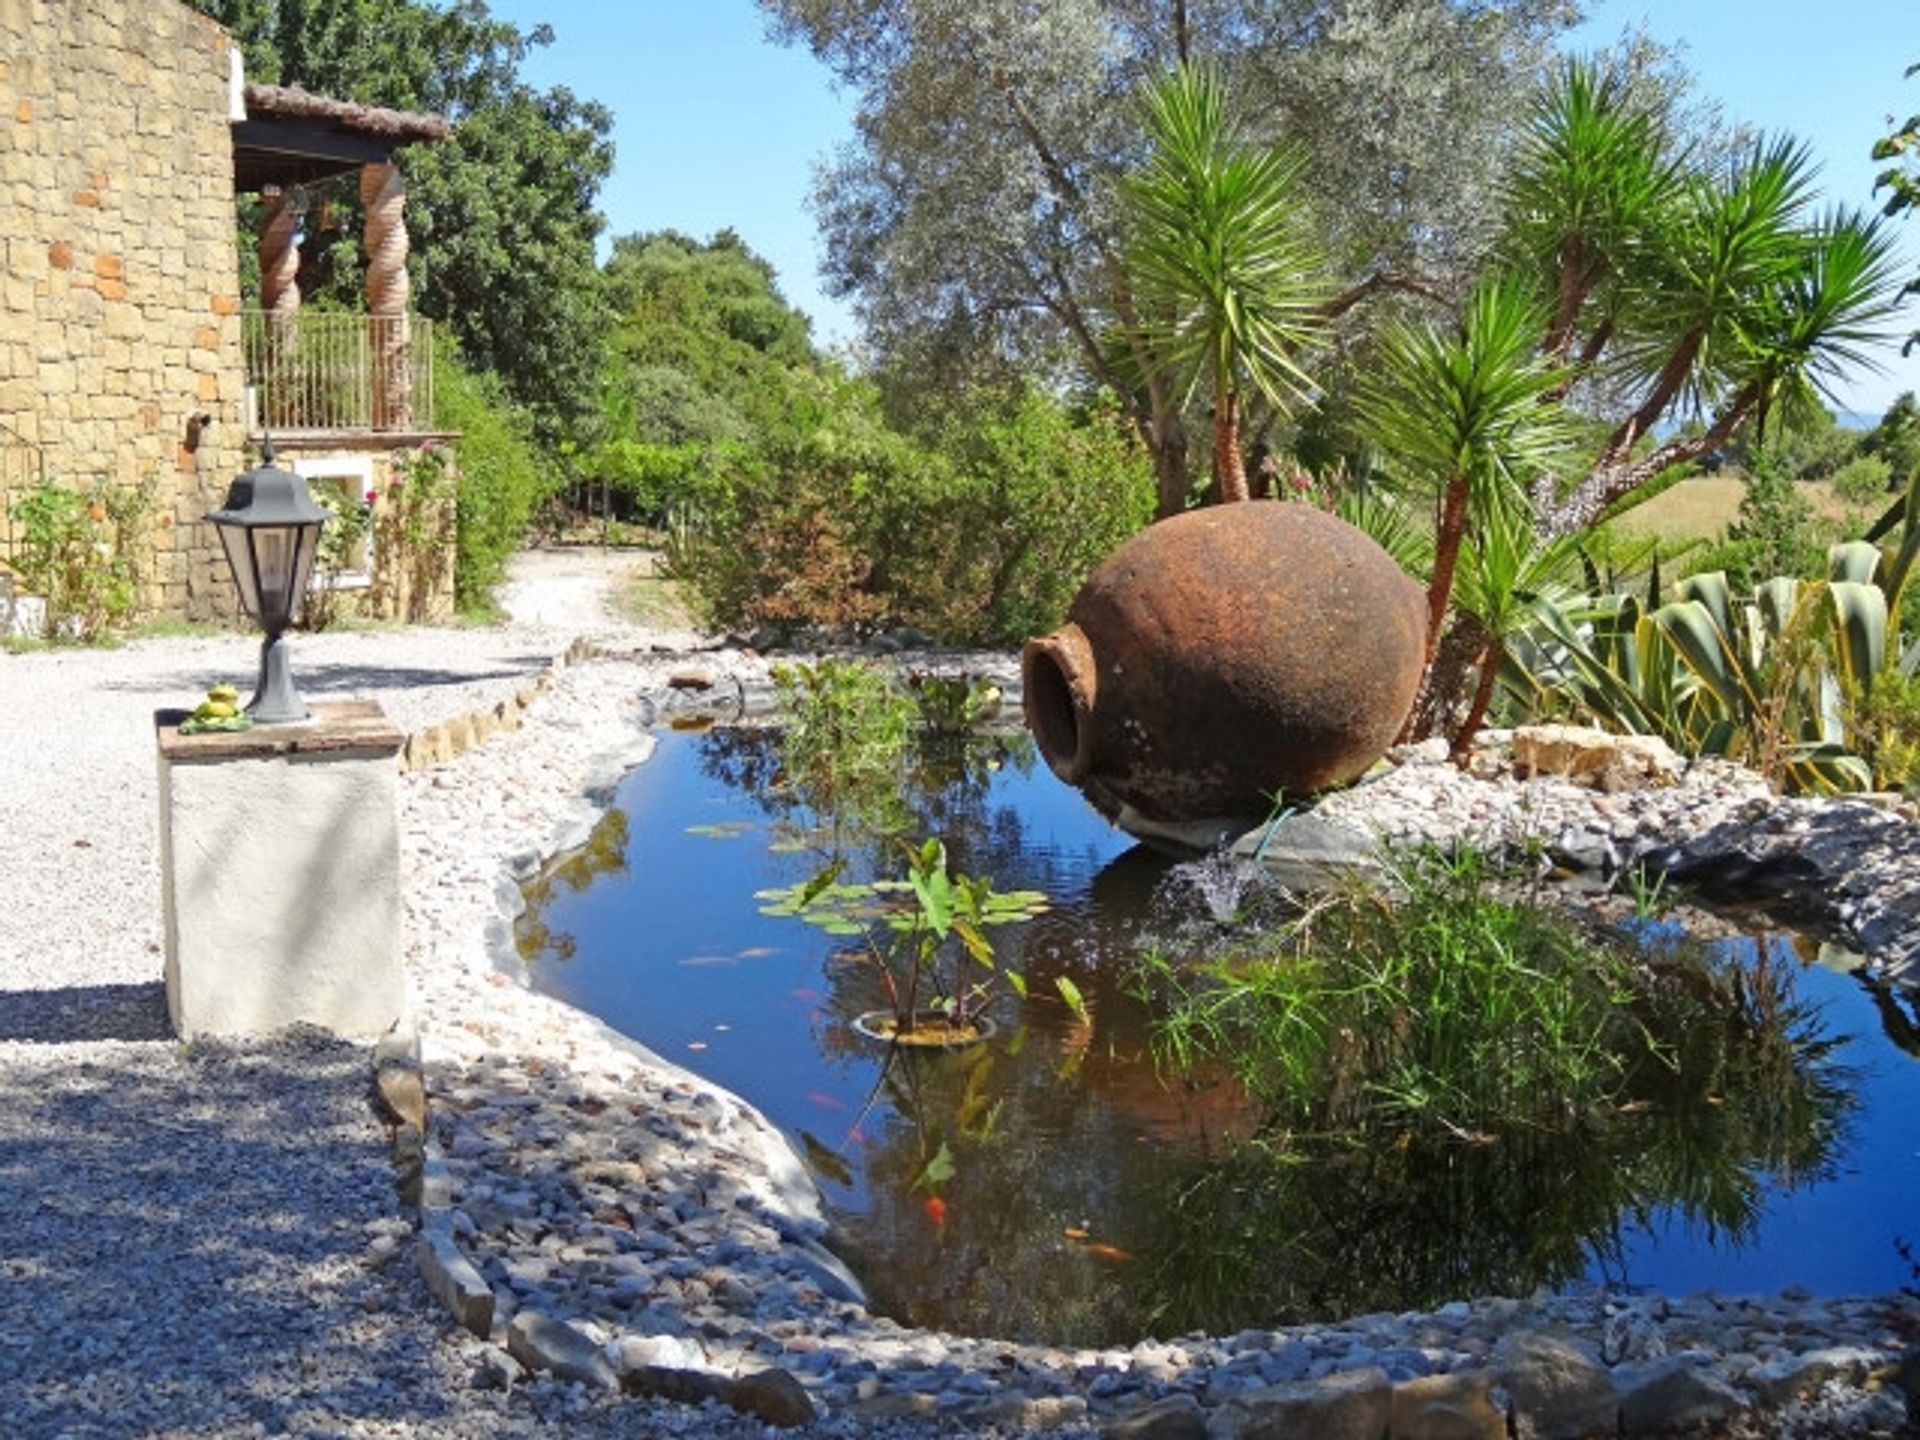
point(1780, 1381)
point(694, 680)
point(774, 1396)
point(898, 1405)
point(1024, 1414)
point(1446, 1407)
point(1594, 758)
point(1904, 1376)
point(1676, 1394)
point(403, 1093)
point(497, 1370)
point(1557, 1390)
point(1178, 1417)
point(540, 1342)
point(453, 1281)
point(1349, 1405)
point(1308, 852)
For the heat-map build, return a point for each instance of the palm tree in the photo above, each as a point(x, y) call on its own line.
point(1508, 570)
point(1464, 413)
point(1224, 269)
point(1713, 290)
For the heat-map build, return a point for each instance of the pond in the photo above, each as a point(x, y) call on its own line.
point(1053, 1184)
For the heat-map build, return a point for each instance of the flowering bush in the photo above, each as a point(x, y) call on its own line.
point(83, 552)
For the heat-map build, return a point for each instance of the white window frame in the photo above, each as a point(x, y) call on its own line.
point(352, 475)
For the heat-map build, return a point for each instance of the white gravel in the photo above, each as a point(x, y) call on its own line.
point(191, 1238)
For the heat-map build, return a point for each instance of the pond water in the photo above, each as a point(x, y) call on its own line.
point(1088, 1199)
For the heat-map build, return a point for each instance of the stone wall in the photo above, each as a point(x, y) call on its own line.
point(119, 294)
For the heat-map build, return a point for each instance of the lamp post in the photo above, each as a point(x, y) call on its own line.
point(270, 529)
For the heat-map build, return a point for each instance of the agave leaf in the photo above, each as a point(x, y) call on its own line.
point(1712, 591)
point(1855, 560)
point(1777, 599)
point(1859, 630)
point(1690, 626)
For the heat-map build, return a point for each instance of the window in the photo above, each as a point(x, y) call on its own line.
point(343, 485)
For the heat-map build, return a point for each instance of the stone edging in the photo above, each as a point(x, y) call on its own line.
point(694, 1325)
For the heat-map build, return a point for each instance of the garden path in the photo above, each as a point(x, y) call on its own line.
point(204, 1240)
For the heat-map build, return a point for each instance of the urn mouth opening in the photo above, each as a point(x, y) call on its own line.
point(1057, 683)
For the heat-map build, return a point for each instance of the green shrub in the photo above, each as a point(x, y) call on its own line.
point(1864, 481)
point(503, 477)
point(84, 552)
point(990, 547)
point(979, 531)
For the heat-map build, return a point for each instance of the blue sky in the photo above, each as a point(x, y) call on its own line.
point(718, 126)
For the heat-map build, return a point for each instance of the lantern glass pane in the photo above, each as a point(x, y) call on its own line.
point(308, 543)
point(233, 539)
point(273, 551)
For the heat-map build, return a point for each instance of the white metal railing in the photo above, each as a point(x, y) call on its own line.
point(326, 370)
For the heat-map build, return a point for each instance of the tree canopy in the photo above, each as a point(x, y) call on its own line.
point(975, 219)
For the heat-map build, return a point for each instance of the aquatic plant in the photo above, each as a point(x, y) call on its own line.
point(1460, 1091)
point(918, 933)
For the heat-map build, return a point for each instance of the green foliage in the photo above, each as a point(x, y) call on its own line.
point(1689, 1081)
point(84, 552)
point(1864, 481)
point(1760, 680)
point(973, 217)
point(1901, 179)
point(990, 538)
point(340, 551)
point(1775, 532)
point(843, 745)
point(416, 528)
point(918, 933)
point(980, 530)
point(1225, 272)
point(503, 477)
point(1896, 439)
point(705, 355)
point(1440, 1006)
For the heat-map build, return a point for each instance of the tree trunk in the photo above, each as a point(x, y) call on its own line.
point(1446, 554)
point(1229, 467)
point(1491, 659)
point(1170, 477)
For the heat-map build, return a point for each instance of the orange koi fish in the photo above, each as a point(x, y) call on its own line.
point(936, 1209)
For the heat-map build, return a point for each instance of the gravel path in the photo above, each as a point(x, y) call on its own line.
point(204, 1240)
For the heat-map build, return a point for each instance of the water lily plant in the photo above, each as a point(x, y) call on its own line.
point(926, 937)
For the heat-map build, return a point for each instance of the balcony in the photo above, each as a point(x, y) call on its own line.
point(349, 377)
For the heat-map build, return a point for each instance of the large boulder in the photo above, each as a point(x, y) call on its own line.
point(1224, 656)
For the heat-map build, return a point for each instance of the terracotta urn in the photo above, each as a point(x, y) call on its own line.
point(1223, 657)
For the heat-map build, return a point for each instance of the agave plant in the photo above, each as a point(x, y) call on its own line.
point(1761, 679)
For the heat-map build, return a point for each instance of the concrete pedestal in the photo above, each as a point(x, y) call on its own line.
point(280, 873)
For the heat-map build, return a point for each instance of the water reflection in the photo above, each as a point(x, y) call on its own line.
point(1091, 1197)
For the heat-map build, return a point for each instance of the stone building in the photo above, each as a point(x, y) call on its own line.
point(128, 361)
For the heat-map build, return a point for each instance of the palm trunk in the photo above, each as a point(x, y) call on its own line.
point(1446, 555)
point(1491, 659)
point(1170, 477)
point(1229, 466)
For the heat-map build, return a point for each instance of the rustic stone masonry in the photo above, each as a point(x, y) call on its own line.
point(119, 286)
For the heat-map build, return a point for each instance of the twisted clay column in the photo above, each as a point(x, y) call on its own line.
point(279, 258)
point(280, 298)
point(385, 243)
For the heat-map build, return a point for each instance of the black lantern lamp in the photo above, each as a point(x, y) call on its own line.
point(270, 527)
